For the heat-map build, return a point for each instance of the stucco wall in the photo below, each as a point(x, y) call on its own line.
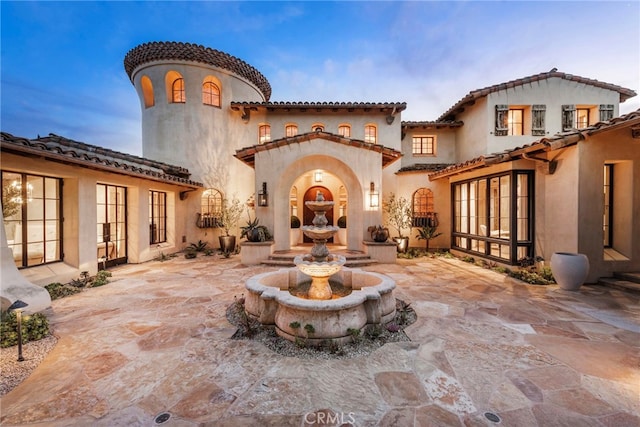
point(619, 149)
point(281, 167)
point(80, 238)
point(445, 146)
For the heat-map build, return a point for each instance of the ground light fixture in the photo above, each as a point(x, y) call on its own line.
point(18, 306)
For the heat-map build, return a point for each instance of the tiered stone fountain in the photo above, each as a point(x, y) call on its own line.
point(322, 314)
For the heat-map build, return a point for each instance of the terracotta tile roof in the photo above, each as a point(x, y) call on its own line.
point(59, 149)
point(432, 124)
point(162, 51)
point(472, 96)
point(248, 154)
point(422, 167)
point(545, 144)
point(313, 106)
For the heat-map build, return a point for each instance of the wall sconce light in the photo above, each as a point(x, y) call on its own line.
point(18, 306)
point(317, 177)
point(263, 196)
point(374, 196)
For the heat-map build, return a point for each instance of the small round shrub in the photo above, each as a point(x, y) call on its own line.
point(295, 222)
point(34, 327)
point(342, 222)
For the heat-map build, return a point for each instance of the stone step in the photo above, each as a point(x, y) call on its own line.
point(629, 277)
point(616, 283)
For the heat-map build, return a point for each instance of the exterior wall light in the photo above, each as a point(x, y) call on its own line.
point(317, 177)
point(374, 196)
point(263, 196)
point(18, 306)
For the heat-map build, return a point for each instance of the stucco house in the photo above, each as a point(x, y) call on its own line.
point(510, 171)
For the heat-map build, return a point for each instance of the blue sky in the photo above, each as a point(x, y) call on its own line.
point(62, 62)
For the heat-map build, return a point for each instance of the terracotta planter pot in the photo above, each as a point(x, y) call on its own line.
point(570, 270)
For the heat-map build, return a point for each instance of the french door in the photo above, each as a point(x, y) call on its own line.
point(111, 225)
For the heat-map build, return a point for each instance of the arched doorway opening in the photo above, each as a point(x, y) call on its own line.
point(307, 216)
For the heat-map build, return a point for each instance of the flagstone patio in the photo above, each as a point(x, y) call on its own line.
point(154, 345)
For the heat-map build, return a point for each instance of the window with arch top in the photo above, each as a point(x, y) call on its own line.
point(264, 134)
point(344, 130)
point(290, 130)
point(422, 207)
point(177, 91)
point(210, 208)
point(174, 86)
point(210, 93)
point(147, 92)
point(370, 134)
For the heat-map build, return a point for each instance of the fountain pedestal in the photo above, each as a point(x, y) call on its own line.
point(320, 265)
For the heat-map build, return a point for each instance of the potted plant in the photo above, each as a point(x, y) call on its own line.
point(295, 231)
point(255, 232)
point(427, 233)
point(229, 217)
point(378, 233)
point(398, 215)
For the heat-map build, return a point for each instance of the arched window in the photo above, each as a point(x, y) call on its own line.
point(210, 93)
point(210, 208)
point(344, 130)
point(290, 130)
point(174, 85)
point(177, 91)
point(423, 214)
point(370, 134)
point(317, 127)
point(147, 92)
point(264, 134)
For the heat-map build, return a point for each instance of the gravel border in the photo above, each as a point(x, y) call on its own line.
point(363, 346)
point(14, 372)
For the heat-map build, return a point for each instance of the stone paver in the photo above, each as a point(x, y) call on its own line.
point(156, 340)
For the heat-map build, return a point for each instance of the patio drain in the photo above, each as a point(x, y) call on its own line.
point(162, 418)
point(492, 417)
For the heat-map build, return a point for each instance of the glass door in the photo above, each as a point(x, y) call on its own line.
point(111, 225)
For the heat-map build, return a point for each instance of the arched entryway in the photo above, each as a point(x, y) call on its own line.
point(308, 215)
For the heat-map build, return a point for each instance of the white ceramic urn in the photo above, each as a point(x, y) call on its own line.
point(569, 269)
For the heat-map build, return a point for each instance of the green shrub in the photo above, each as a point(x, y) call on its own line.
point(101, 278)
point(34, 327)
point(58, 290)
point(295, 222)
point(190, 254)
point(198, 247)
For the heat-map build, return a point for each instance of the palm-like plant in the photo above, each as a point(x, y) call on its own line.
point(427, 233)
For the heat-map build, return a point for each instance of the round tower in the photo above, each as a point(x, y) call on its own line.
point(185, 91)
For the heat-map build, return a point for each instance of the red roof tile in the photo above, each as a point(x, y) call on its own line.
point(64, 150)
point(247, 154)
point(159, 51)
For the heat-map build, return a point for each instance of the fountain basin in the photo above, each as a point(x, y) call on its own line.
point(371, 302)
point(319, 233)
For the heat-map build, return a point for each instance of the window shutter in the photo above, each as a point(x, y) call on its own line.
point(568, 117)
point(606, 112)
point(502, 123)
point(537, 120)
